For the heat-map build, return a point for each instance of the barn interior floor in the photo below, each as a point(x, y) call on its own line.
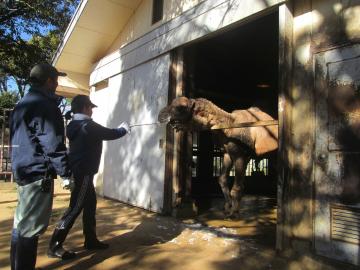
point(257, 218)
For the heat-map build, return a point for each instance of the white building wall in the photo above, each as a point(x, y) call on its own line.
point(133, 166)
point(140, 23)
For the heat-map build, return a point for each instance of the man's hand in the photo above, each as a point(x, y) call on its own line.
point(125, 126)
point(68, 183)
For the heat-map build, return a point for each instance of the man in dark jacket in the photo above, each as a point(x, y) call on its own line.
point(85, 138)
point(38, 155)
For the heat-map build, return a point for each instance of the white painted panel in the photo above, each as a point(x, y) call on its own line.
point(101, 99)
point(134, 165)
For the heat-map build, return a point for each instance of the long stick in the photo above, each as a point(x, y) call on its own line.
point(240, 125)
point(249, 124)
point(145, 124)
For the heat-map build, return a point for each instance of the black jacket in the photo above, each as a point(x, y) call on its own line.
point(85, 138)
point(37, 138)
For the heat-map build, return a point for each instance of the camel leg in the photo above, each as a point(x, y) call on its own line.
point(227, 165)
point(237, 189)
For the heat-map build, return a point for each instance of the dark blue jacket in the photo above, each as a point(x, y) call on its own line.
point(37, 138)
point(85, 139)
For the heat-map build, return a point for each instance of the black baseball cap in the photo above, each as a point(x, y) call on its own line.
point(41, 72)
point(79, 102)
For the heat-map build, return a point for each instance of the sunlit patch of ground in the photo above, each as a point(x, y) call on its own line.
point(142, 240)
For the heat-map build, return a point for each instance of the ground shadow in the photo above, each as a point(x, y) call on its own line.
point(148, 233)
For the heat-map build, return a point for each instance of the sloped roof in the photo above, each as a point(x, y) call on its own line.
point(93, 28)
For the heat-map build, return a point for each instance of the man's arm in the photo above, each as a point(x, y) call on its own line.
point(102, 133)
point(50, 134)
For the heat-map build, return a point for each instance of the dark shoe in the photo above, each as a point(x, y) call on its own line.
point(61, 253)
point(96, 244)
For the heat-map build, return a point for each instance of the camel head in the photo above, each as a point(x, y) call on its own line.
point(178, 113)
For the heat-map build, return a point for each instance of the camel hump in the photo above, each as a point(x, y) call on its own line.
point(255, 108)
point(259, 114)
point(252, 114)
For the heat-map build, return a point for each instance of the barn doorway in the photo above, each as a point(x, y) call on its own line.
point(235, 69)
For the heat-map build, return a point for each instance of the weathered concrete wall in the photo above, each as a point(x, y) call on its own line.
point(335, 22)
point(318, 25)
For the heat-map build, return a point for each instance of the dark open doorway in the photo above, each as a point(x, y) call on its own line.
point(235, 69)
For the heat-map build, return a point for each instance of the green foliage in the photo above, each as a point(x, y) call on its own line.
point(30, 33)
point(8, 100)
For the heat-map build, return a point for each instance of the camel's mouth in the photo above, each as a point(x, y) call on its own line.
point(164, 115)
point(177, 124)
point(177, 116)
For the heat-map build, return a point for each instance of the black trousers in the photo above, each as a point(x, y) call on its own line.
point(83, 198)
point(23, 251)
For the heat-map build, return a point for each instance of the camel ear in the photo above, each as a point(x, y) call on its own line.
point(164, 115)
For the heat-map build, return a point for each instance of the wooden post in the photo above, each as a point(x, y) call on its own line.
point(177, 171)
point(178, 136)
point(178, 190)
point(285, 68)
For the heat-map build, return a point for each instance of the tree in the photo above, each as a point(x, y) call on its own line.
point(30, 31)
point(8, 100)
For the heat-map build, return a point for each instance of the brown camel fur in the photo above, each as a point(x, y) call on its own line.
point(238, 143)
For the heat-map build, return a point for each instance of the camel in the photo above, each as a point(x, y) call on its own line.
point(238, 144)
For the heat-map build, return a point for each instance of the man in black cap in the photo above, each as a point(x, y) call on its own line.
point(38, 155)
point(85, 138)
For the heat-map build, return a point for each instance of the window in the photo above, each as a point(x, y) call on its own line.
point(157, 11)
point(101, 85)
